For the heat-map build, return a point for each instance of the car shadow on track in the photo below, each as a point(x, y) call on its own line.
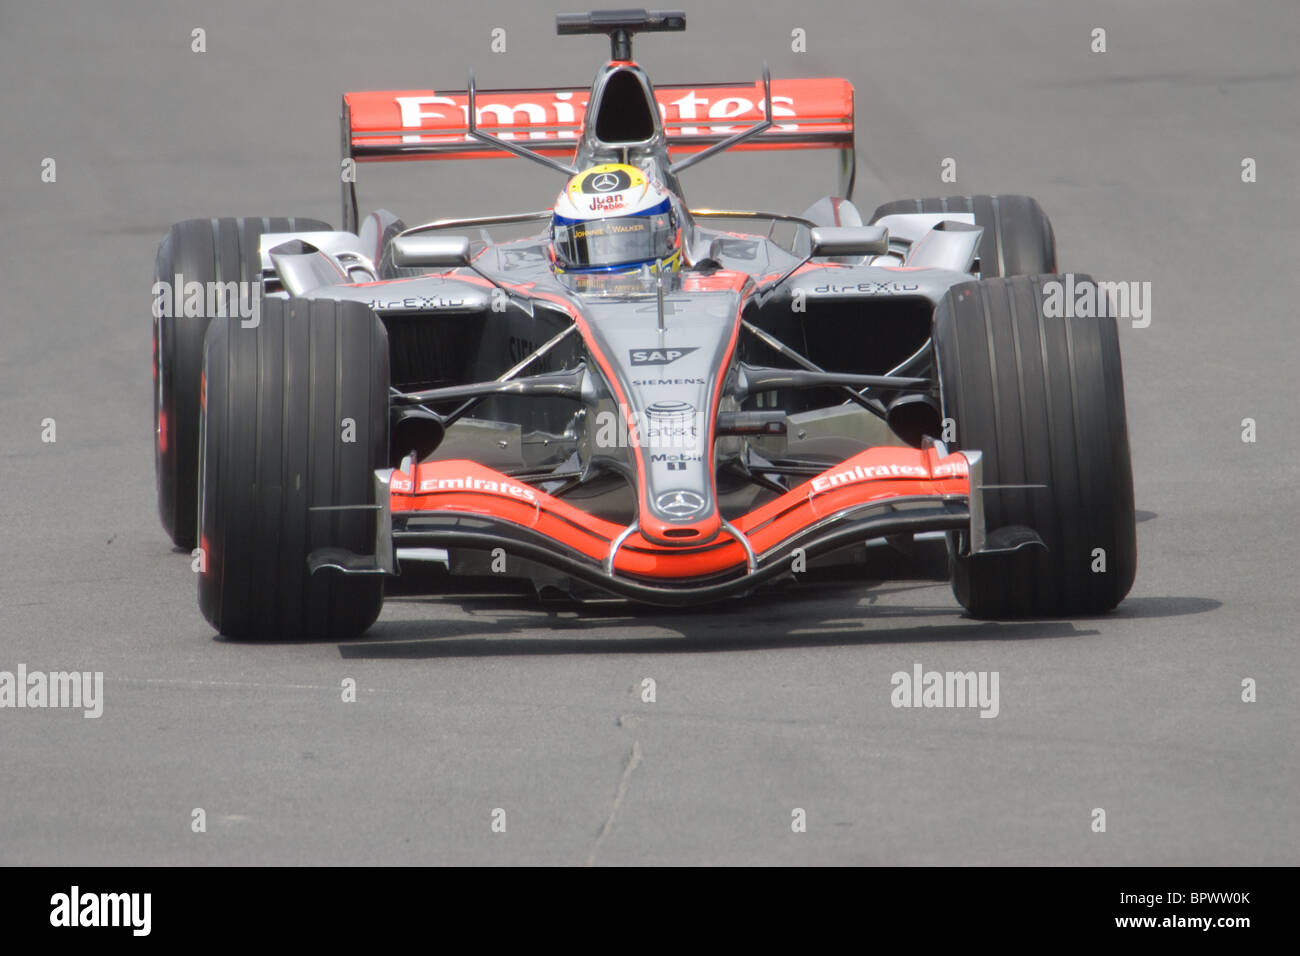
point(743, 638)
point(815, 616)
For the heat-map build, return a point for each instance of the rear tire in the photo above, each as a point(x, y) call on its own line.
point(1043, 399)
point(276, 445)
point(204, 251)
point(1018, 238)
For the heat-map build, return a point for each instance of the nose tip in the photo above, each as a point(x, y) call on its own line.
point(702, 530)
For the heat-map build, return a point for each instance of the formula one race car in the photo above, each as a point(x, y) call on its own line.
point(633, 400)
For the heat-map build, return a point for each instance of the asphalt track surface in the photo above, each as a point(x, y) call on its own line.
point(779, 702)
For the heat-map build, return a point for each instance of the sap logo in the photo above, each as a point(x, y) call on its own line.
point(657, 356)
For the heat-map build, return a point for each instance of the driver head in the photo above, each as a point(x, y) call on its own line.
point(615, 218)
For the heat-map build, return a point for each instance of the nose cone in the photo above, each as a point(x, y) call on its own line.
point(668, 382)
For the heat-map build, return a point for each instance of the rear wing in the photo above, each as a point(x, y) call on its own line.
point(398, 125)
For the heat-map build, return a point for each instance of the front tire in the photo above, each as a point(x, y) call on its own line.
point(1043, 399)
point(203, 251)
point(295, 419)
point(1018, 238)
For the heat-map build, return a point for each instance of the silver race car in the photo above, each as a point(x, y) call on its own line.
point(639, 397)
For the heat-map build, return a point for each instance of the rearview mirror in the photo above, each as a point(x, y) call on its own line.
point(848, 241)
point(431, 252)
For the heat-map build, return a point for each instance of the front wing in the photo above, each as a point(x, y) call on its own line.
point(881, 492)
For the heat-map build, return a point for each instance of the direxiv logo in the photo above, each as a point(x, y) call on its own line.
point(102, 909)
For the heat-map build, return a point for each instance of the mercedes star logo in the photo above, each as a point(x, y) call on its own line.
point(679, 504)
point(604, 182)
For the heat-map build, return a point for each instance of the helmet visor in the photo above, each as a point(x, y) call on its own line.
point(614, 242)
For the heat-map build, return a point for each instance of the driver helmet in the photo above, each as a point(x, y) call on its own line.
point(615, 218)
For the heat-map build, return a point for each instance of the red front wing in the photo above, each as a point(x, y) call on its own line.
point(893, 489)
